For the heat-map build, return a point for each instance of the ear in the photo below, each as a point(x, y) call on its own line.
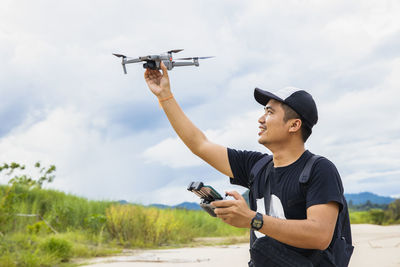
point(295, 125)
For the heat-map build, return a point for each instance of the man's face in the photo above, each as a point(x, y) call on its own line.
point(273, 129)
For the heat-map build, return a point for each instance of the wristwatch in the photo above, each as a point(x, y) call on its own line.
point(257, 222)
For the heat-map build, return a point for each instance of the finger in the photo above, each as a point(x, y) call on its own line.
point(235, 194)
point(223, 203)
point(164, 69)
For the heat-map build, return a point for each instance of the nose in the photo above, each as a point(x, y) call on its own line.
point(262, 119)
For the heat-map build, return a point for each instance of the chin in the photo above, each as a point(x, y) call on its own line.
point(262, 141)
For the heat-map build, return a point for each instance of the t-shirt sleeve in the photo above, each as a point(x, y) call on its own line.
point(241, 163)
point(325, 185)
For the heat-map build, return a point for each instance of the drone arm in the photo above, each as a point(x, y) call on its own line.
point(181, 64)
point(135, 60)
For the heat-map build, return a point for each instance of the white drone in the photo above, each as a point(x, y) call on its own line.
point(153, 61)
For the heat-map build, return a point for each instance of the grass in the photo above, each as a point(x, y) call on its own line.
point(69, 227)
point(138, 226)
point(22, 249)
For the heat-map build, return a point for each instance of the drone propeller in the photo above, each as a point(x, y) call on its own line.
point(119, 55)
point(175, 51)
point(190, 58)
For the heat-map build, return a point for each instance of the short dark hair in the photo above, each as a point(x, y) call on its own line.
point(291, 114)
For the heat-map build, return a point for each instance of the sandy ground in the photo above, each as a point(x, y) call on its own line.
point(374, 246)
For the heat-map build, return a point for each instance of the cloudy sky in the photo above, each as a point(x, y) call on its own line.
point(66, 101)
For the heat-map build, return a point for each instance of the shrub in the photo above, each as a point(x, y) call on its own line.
point(38, 228)
point(58, 247)
point(7, 260)
point(377, 216)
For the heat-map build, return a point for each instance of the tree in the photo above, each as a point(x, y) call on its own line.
point(392, 214)
point(11, 195)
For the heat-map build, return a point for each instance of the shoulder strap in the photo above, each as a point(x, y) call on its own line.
point(253, 191)
point(257, 167)
point(256, 170)
point(305, 174)
point(267, 187)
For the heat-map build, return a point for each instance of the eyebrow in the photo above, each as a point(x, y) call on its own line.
point(269, 108)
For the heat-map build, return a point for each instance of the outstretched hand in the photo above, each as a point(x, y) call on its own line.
point(234, 212)
point(157, 82)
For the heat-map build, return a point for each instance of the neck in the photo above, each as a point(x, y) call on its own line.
point(286, 154)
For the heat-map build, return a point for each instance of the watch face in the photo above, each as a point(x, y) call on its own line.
point(257, 223)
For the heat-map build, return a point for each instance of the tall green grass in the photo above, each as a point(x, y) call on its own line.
point(142, 226)
point(61, 210)
point(68, 226)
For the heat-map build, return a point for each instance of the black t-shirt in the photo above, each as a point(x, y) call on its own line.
point(289, 198)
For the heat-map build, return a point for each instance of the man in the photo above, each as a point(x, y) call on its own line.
point(302, 224)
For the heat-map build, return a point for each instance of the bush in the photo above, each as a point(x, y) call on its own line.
point(377, 216)
point(61, 248)
point(39, 228)
point(392, 214)
point(7, 260)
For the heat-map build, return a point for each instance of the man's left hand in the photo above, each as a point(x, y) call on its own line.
point(234, 212)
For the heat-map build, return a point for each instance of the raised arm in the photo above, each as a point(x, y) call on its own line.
point(214, 154)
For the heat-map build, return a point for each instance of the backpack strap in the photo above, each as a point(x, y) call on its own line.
point(255, 170)
point(267, 186)
point(305, 174)
point(253, 194)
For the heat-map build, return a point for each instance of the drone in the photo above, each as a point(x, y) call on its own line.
point(153, 61)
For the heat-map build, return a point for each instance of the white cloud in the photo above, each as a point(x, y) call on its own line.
point(65, 100)
point(239, 132)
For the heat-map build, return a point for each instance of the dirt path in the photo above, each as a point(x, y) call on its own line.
point(374, 246)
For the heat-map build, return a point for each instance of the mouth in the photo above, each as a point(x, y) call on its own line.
point(262, 130)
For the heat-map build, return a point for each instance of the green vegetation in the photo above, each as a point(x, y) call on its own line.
point(367, 206)
point(390, 215)
point(40, 227)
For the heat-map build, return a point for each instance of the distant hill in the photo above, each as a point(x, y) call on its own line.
point(364, 197)
point(357, 199)
point(183, 205)
point(188, 206)
point(160, 206)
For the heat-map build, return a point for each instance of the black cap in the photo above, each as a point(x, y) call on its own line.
point(298, 99)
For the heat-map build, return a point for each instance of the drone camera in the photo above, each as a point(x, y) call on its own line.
point(150, 65)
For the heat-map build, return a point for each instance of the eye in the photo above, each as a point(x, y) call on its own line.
point(267, 111)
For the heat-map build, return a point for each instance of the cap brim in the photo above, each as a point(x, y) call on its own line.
point(263, 97)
